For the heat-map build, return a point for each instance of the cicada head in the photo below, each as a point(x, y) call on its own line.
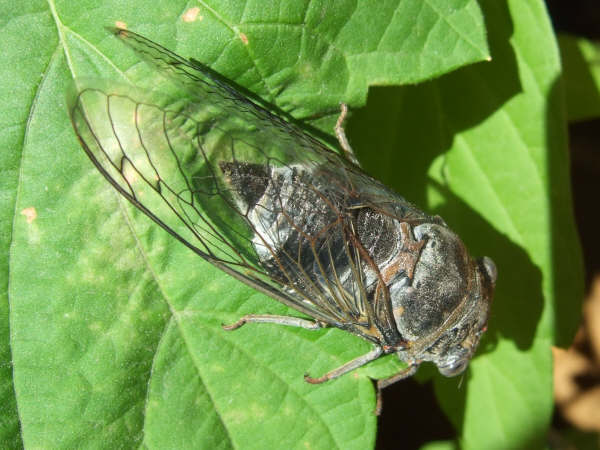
point(455, 347)
point(443, 310)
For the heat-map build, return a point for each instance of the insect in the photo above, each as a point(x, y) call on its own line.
point(274, 207)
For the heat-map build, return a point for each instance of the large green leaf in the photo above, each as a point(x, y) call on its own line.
point(485, 146)
point(115, 336)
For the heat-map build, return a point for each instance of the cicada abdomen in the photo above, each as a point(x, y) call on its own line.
point(277, 209)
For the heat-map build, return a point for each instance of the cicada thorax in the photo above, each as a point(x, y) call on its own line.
point(337, 249)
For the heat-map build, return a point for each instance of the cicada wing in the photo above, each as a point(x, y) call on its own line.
point(207, 90)
point(155, 157)
point(243, 188)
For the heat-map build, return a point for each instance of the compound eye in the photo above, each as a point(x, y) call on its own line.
point(454, 369)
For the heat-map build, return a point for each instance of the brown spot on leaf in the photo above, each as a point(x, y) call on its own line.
point(121, 25)
point(30, 214)
point(244, 38)
point(191, 15)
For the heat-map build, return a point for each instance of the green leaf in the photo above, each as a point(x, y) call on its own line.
point(581, 65)
point(485, 147)
point(115, 336)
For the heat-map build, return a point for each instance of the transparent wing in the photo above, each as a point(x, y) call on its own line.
point(242, 187)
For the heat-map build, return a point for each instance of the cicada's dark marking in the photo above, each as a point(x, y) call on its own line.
point(274, 207)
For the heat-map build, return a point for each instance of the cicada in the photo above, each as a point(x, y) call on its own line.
point(275, 207)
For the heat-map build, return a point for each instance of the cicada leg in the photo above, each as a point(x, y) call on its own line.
point(385, 382)
point(349, 366)
point(341, 134)
point(404, 373)
point(280, 320)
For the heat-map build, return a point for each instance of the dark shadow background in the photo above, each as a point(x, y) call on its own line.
point(412, 416)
